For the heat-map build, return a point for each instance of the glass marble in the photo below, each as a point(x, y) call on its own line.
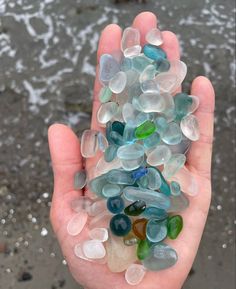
point(120, 225)
point(115, 204)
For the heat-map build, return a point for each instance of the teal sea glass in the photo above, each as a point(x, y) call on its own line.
point(153, 52)
point(120, 225)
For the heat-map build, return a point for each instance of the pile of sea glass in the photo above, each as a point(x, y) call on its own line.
point(147, 127)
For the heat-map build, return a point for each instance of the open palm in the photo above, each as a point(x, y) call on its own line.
point(67, 160)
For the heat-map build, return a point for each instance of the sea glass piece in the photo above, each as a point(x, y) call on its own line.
point(188, 181)
point(111, 152)
point(130, 239)
point(151, 198)
point(117, 138)
point(148, 73)
point(178, 203)
point(89, 143)
point(155, 213)
point(96, 185)
point(115, 204)
point(130, 151)
point(80, 180)
point(97, 208)
point(145, 130)
point(140, 62)
point(78, 250)
point(166, 81)
point(161, 124)
point(159, 156)
point(156, 230)
point(130, 165)
point(99, 234)
point(173, 165)
point(153, 52)
point(152, 141)
point(81, 203)
point(126, 64)
point(161, 256)
point(164, 188)
point(130, 42)
point(105, 94)
point(154, 37)
point(120, 225)
point(111, 190)
point(103, 167)
point(185, 104)
point(101, 221)
point(190, 127)
point(109, 67)
point(77, 223)
point(118, 82)
point(174, 225)
point(162, 65)
point(102, 142)
point(120, 177)
point(129, 113)
point(139, 228)
point(175, 188)
point(132, 77)
point(154, 179)
point(149, 86)
point(181, 148)
point(140, 172)
point(118, 127)
point(172, 135)
point(143, 249)
point(135, 209)
point(135, 274)
point(151, 102)
point(119, 257)
point(106, 112)
point(179, 69)
point(94, 249)
point(129, 133)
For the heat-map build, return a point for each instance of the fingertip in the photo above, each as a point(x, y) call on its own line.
point(110, 40)
point(64, 144)
point(171, 45)
point(144, 22)
point(204, 90)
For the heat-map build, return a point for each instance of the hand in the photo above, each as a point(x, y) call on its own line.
point(67, 160)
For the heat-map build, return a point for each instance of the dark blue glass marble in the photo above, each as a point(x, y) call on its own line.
point(120, 225)
point(115, 204)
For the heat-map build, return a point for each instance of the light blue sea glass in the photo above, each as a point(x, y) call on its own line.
point(172, 135)
point(156, 230)
point(150, 197)
point(130, 151)
point(161, 256)
point(120, 177)
point(155, 213)
point(108, 68)
point(111, 190)
point(110, 153)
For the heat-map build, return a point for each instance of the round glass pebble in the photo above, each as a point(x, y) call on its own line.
point(120, 225)
point(115, 204)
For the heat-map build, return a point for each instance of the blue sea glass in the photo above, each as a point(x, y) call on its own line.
point(140, 172)
point(110, 153)
point(155, 213)
point(153, 52)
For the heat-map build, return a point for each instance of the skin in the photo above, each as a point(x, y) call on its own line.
point(66, 160)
